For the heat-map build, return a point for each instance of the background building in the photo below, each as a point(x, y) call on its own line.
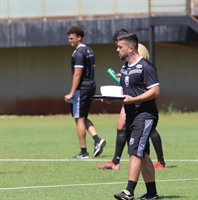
point(35, 54)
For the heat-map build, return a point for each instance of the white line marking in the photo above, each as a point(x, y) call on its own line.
point(77, 160)
point(90, 184)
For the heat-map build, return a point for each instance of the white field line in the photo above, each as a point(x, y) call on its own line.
point(89, 184)
point(77, 160)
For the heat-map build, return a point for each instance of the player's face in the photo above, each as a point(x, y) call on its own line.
point(74, 40)
point(123, 49)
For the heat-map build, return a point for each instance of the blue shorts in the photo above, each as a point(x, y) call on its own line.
point(138, 133)
point(82, 102)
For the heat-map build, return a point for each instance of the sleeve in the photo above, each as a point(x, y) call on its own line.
point(78, 59)
point(150, 76)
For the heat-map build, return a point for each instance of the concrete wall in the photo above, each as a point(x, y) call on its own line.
point(34, 80)
point(177, 68)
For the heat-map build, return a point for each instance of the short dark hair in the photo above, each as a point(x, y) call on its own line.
point(76, 30)
point(118, 33)
point(131, 38)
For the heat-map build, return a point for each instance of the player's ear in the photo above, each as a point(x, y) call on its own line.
point(131, 48)
point(79, 38)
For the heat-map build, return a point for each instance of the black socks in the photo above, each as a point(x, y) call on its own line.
point(131, 186)
point(157, 143)
point(120, 143)
point(83, 150)
point(151, 188)
point(96, 138)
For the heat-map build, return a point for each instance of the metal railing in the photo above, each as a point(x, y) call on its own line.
point(45, 9)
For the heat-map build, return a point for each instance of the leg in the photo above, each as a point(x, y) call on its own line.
point(157, 143)
point(147, 169)
point(90, 127)
point(121, 136)
point(134, 168)
point(80, 109)
point(134, 132)
point(148, 174)
point(120, 125)
point(120, 143)
point(138, 149)
point(133, 176)
point(81, 132)
point(99, 142)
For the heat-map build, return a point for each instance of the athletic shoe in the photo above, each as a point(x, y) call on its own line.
point(98, 147)
point(158, 165)
point(82, 155)
point(124, 195)
point(148, 197)
point(109, 165)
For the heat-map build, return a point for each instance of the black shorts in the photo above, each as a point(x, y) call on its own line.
point(82, 102)
point(138, 135)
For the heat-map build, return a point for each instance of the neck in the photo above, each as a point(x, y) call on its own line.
point(133, 58)
point(80, 43)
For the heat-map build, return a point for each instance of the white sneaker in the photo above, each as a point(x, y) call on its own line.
point(98, 147)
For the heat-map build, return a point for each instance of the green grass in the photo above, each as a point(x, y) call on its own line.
point(43, 169)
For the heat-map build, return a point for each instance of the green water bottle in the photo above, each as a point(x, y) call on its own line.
point(113, 75)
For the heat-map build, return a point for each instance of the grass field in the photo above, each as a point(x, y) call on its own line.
point(36, 164)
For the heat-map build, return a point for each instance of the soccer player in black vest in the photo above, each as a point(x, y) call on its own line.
point(114, 164)
point(82, 89)
point(140, 84)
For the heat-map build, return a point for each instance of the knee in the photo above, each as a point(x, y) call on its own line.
point(120, 125)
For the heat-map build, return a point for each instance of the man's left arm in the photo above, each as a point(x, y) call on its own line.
point(152, 93)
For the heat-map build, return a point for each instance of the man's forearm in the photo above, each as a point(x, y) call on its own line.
point(75, 83)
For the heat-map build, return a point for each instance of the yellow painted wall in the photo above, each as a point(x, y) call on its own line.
point(41, 76)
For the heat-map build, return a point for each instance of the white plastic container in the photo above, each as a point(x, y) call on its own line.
point(111, 90)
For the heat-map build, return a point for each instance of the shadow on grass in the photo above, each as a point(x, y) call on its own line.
point(172, 197)
point(105, 156)
point(171, 166)
point(167, 197)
